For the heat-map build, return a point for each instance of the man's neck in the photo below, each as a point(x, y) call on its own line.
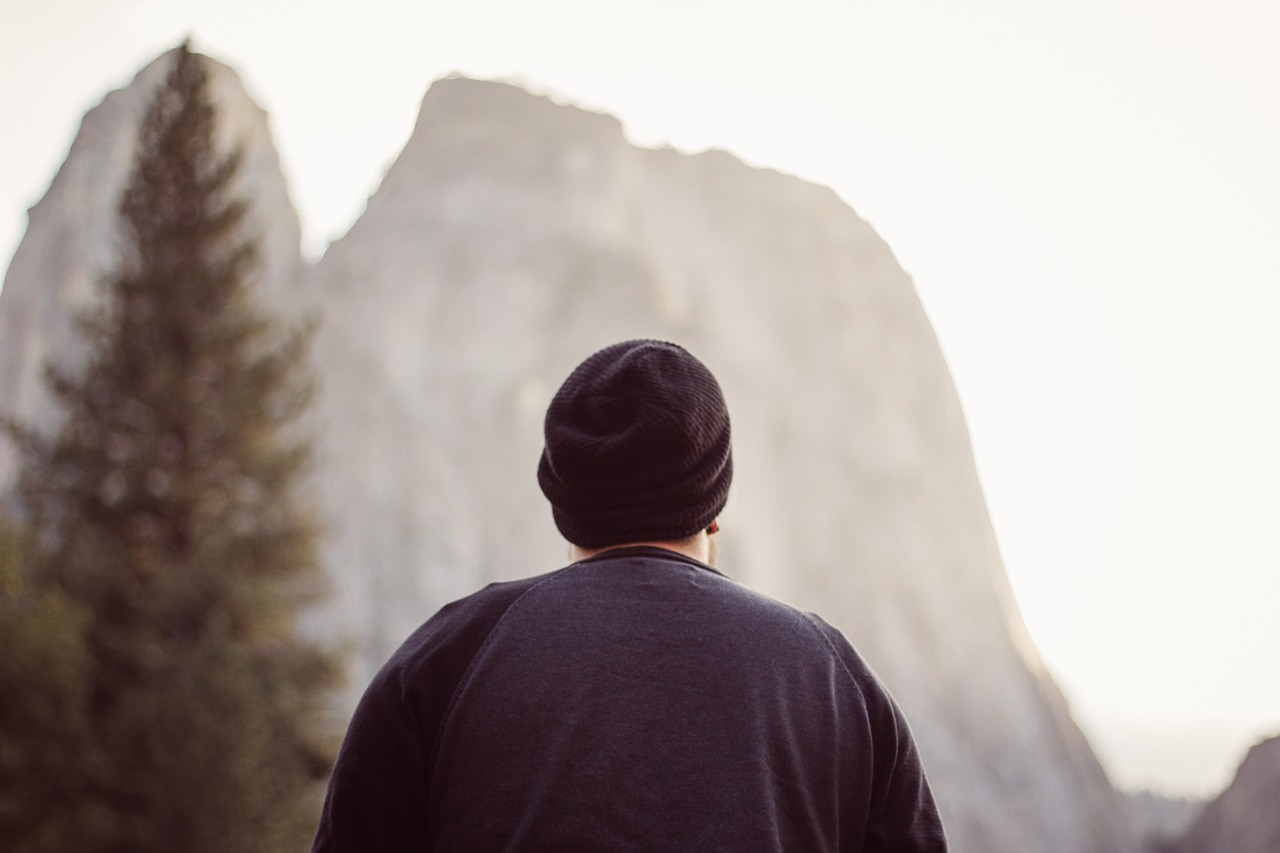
point(700, 547)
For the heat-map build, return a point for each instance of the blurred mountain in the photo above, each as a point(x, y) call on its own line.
point(514, 236)
point(1245, 818)
point(1163, 819)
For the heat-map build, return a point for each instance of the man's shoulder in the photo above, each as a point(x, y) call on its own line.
point(461, 626)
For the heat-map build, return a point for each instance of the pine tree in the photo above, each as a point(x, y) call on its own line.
point(167, 508)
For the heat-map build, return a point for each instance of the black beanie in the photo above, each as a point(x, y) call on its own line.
point(637, 447)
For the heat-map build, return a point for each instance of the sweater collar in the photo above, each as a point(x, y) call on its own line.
point(653, 551)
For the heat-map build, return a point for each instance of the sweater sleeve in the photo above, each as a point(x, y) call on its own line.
point(903, 816)
point(379, 794)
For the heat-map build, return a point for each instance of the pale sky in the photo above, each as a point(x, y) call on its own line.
point(1086, 194)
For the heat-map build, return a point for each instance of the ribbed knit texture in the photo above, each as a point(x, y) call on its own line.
point(637, 447)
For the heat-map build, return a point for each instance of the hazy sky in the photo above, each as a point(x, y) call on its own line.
point(1087, 195)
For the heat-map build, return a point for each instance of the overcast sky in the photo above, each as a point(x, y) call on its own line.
point(1087, 195)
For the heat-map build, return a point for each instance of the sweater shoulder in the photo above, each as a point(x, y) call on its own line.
point(842, 649)
point(450, 638)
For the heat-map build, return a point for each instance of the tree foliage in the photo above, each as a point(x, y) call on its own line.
point(44, 681)
point(165, 514)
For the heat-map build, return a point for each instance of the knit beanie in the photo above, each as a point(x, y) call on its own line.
point(637, 447)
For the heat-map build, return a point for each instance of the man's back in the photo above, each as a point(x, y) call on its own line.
point(637, 700)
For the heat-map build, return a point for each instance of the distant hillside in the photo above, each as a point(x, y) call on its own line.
point(1164, 819)
point(1245, 818)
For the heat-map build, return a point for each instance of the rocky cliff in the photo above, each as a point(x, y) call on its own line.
point(511, 238)
point(1244, 818)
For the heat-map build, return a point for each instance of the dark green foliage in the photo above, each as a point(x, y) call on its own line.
point(44, 667)
point(165, 511)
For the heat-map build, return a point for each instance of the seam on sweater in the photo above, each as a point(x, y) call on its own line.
point(813, 623)
point(878, 800)
point(488, 640)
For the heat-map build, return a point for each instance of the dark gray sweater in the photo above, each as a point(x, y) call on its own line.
point(638, 700)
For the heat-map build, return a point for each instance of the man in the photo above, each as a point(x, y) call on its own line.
point(637, 699)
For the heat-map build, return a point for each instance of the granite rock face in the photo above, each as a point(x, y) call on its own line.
point(1244, 818)
point(513, 237)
